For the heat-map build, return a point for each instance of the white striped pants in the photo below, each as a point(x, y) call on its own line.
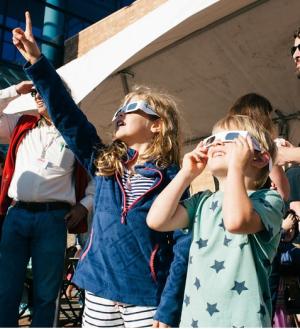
point(103, 313)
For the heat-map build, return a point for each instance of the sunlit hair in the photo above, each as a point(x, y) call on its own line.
point(256, 107)
point(244, 122)
point(164, 148)
point(297, 33)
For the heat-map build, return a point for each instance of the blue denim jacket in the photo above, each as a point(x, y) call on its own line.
point(124, 260)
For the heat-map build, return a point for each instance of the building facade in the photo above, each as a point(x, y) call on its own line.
point(53, 21)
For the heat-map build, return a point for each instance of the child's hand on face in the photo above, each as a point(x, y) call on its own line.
point(194, 162)
point(240, 154)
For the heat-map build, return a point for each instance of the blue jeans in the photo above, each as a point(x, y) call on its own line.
point(42, 236)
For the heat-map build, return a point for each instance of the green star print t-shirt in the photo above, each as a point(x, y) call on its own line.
point(227, 279)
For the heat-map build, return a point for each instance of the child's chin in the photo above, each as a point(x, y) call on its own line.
point(217, 170)
point(118, 135)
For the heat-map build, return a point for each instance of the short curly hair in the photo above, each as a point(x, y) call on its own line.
point(297, 33)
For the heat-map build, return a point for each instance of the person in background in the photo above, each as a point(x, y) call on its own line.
point(44, 191)
point(295, 51)
point(260, 109)
point(12, 92)
point(287, 152)
point(287, 155)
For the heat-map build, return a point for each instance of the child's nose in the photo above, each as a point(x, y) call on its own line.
point(121, 115)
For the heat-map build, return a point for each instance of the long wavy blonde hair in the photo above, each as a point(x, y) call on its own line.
point(164, 148)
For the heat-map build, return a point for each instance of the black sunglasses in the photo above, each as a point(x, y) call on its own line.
point(33, 93)
point(293, 49)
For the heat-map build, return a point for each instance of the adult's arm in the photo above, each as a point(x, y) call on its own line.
point(88, 199)
point(281, 182)
point(83, 208)
point(12, 92)
point(7, 121)
point(6, 96)
point(287, 154)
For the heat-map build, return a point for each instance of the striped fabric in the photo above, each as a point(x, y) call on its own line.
point(104, 313)
point(135, 186)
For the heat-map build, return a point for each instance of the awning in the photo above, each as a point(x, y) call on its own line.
point(206, 53)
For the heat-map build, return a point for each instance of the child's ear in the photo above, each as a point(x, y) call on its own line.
point(156, 126)
point(260, 160)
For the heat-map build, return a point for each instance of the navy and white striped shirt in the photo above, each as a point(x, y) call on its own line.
point(135, 185)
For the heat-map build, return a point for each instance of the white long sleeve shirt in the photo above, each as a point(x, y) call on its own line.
point(44, 163)
point(7, 121)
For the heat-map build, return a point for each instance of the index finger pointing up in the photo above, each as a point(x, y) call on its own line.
point(28, 23)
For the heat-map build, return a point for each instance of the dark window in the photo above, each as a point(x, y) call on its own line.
point(9, 52)
point(73, 17)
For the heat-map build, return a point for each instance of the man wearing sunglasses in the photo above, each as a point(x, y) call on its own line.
point(295, 51)
point(287, 153)
point(49, 192)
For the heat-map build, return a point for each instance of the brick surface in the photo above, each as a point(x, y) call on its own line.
point(107, 27)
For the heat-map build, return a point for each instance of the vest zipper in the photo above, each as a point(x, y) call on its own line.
point(124, 208)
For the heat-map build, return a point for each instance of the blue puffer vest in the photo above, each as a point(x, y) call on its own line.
point(124, 259)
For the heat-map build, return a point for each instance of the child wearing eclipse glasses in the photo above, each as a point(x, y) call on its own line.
point(125, 264)
point(236, 230)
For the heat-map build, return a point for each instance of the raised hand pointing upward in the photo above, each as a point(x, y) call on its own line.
point(25, 41)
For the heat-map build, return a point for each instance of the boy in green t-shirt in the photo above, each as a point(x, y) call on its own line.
point(235, 230)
